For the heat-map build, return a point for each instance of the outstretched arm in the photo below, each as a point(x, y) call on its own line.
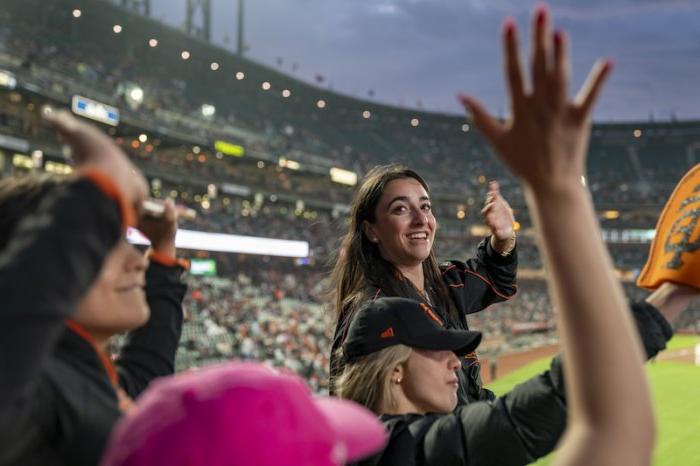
point(614, 425)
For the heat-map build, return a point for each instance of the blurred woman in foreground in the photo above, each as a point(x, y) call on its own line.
point(70, 281)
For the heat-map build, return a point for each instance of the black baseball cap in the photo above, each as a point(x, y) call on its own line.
point(387, 322)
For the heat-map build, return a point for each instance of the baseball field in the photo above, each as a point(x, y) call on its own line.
point(675, 382)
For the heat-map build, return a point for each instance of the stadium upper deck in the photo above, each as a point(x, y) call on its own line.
point(55, 55)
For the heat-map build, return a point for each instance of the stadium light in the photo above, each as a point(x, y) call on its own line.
point(153, 43)
point(266, 86)
point(214, 66)
point(117, 29)
point(287, 163)
point(77, 13)
point(143, 137)
point(208, 110)
point(465, 128)
point(415, 122)
point(341, 176)
point(37, 157)
point(132, 93)
point(7, 79)
point(637, 133)
point(136, 94)
point(611, 214)
point(185, 55)
point(366, 114)
point(321, 103)
point(286, 93)
point(240, 75)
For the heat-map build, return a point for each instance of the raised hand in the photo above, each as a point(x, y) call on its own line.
point(91, 148)
point(545, 140)
point(161, 230)
point(498, 216)
point(544, 143)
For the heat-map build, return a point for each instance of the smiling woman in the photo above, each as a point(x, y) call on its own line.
point(405, 228)
point(388, 251)
point(120, 289)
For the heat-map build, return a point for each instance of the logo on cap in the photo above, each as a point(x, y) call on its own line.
point(388, 333)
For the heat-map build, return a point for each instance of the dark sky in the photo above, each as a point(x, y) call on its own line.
point(411, 51)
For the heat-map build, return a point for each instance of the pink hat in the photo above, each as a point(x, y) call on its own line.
point(241, 414)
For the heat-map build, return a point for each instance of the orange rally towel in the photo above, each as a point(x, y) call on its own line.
point(672, 254)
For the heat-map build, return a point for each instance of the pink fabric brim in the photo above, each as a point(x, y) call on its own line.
point(356, 426)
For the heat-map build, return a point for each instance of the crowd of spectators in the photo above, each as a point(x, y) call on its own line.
point(261, 309)
point(272, 310)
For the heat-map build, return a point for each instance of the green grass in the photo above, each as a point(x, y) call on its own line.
point(676, 391)
point(683, 341)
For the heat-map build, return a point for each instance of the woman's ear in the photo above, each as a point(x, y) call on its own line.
point(369, 232)
point(397, 375)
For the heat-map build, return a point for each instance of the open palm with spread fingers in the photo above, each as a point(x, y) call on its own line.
point(544, 124)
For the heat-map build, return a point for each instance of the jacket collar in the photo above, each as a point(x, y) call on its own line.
point(105, 361)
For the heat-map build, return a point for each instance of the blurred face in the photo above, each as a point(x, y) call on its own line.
point(116, 302)
point(404, 228)
point(430, 381)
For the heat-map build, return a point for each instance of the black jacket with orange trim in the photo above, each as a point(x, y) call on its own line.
point(58, 402)
point(486, 279)
point(512, 430)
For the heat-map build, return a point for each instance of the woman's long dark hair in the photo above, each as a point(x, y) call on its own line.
point(360, 265)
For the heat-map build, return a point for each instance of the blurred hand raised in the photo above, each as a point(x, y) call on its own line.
point(91, 148)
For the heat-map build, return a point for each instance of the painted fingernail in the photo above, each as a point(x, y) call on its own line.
point(558, 37)
point(541, 14)
point(463, 98)
point(509, 27)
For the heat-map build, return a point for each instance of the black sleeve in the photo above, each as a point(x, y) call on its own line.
point(49, 263)
point(515, 429)
point(654, 329)
point(483, 280)
point(149, 351)
point(526, 423)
